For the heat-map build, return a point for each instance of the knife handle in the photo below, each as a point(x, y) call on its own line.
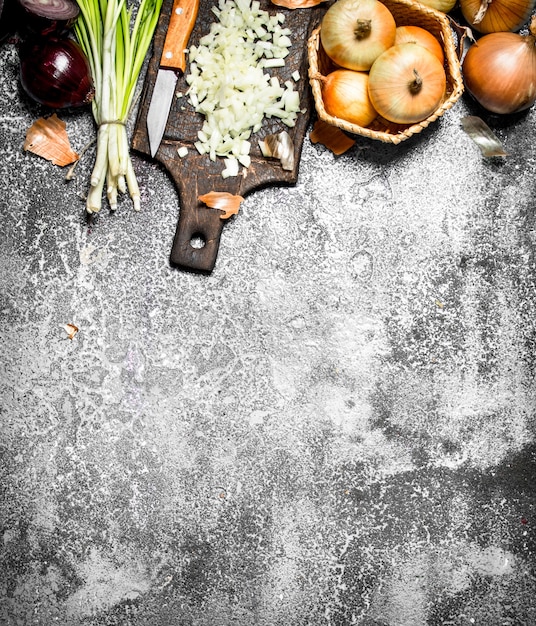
point(181, 24)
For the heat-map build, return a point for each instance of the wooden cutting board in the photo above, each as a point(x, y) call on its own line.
point(199, 228)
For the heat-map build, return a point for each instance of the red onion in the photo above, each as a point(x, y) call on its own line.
point(56, 73)
point(46, 17)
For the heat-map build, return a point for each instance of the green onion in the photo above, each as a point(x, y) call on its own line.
point(116, 43)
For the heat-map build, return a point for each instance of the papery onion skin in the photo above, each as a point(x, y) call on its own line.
point(355, 32)
point(345, 95)
point(406, 84)
point(46, 17)
point(492, 16)
point(418, 35)
point(56, 73)
point(499, 71)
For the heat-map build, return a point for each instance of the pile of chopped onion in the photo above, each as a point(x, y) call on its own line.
point(229, 82)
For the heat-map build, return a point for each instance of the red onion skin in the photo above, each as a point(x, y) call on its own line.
point(36, 25)
point(56, 73)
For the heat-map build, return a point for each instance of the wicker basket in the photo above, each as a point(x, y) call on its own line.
point(405, 13)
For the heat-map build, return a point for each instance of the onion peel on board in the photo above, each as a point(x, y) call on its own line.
point(223, 201)
point(331, 137)
point(47, 137)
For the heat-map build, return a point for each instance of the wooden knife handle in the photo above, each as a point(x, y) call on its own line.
point(181, 24)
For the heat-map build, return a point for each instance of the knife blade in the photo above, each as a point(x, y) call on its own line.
point(172, 63)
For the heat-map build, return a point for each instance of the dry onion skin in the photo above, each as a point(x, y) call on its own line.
point(492, 16)
point(483, 136)
point(499, 71)
point(345, 95)
point(407, 84)
point(355, 32)
point(71, 330)
point(47, 137)
point(223, 201)
point(331, 137)
point(421, 36)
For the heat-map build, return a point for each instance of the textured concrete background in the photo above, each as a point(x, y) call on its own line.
point(336, 427)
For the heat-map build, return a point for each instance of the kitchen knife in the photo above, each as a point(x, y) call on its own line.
point(172, 62)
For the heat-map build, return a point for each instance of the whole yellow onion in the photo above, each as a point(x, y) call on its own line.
point(355, 32)
point(406, 83)
point(499, 71)
point(345, 95)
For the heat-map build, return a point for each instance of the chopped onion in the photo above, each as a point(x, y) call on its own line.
point(228, 83)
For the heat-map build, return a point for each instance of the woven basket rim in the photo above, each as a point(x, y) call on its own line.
point(455, 85)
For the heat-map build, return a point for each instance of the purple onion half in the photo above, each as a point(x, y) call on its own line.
point(45, 17)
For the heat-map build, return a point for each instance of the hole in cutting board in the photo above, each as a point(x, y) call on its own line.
point(198, 241)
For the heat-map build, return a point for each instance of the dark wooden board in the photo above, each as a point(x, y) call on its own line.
point(195, 174)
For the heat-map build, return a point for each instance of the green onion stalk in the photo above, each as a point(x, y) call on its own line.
point(116, 44)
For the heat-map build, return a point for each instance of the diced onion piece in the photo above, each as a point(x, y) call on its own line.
point(228, 83)
point(182, 151)
point(231, 167)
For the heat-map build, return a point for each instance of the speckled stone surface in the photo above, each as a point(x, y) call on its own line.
point(336, 427)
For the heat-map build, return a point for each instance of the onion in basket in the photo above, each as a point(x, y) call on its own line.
point(406, 84)
point(355, 32)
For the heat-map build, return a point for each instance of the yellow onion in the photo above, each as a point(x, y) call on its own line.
point(440, 5)
point(406, 83)
point(355, 32)
point(345, 95)
point(493, 16)
point(55, 72)
point(499, 71)
point(421, 36)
